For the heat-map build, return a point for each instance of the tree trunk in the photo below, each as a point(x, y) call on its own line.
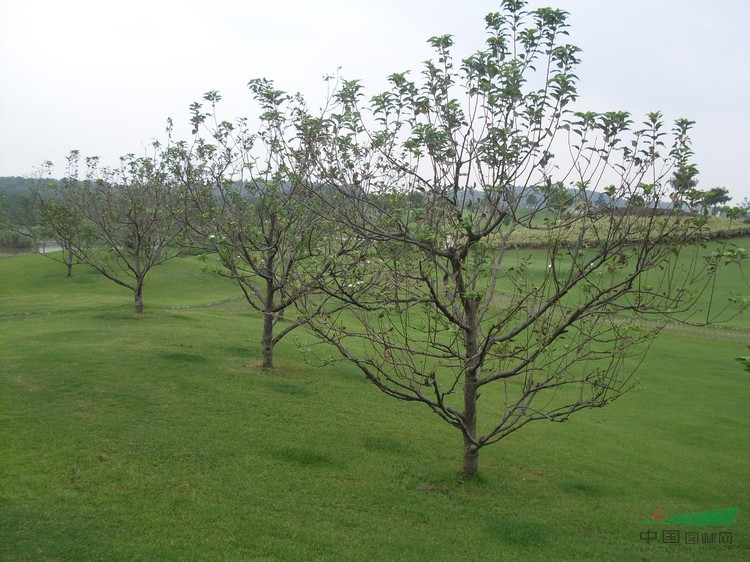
point(267, 340)
point(471, 459)
point(471, 453)
point(471, 376)
point(269, 319)
point(139, 300)
point(67, 258)
point(139, 277)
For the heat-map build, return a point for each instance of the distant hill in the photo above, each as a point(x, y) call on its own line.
point(13, 185)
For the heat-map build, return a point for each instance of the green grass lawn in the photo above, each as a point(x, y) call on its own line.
point(158, 438)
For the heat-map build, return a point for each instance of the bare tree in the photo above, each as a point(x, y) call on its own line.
point(447, 307)
point(120, 221)
point(48, 218)
point(246, 201)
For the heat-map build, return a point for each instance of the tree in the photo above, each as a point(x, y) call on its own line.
point(683, 181)
point(714, 197)
point(444, 309)
point(245, 202)
point(43, 210)
point(122, 221)
point(601, 201)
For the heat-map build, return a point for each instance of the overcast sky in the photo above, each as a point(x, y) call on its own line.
point(103, 77)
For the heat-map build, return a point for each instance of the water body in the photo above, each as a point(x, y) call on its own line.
point(45, 248)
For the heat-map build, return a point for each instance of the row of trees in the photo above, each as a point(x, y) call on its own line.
point(383, 226)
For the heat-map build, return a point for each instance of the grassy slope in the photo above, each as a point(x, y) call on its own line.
point(158, 438)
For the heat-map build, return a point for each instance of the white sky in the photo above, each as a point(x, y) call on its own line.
point(103, 77)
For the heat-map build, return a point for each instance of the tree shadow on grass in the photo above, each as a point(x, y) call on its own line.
point(303, 457)
point(181, 357)
point(582, 488)
point(378, 444)
point(288, 388)
point(520, 533)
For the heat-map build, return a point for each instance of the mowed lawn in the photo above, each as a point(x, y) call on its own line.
point(158, 438)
